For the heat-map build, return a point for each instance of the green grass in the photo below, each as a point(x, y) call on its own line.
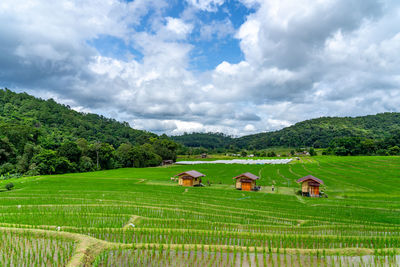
point(359, 217)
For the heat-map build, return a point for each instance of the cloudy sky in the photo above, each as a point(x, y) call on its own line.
point(232, 66)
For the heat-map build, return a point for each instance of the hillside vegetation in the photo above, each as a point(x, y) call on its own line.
point(318, 133)
point(43, 137)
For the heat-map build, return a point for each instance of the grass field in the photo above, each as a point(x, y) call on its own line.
point(139, 217)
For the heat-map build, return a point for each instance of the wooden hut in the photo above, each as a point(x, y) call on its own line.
point(246, 181)
point(310, 186)
point(167, 162)
point(190, 178)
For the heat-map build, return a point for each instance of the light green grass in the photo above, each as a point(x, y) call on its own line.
point(360, 215)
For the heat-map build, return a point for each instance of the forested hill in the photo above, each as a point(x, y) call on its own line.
point(42, 137)
point(206, 140)
point(315, 132)
point(55, 123)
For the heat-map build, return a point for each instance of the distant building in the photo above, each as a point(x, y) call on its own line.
point(167, 162)
point(204, 155)
point(246, 181)
point(305, 153)
point(310, 186)
point(190, 178)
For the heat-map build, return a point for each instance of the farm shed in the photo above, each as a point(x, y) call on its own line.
point(246, 181)
point(167, 162)
point(310, 186)
point(190, 178)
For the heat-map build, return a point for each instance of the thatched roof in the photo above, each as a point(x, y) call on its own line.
point(310, 177)
point(194, 174)
point(247, 175)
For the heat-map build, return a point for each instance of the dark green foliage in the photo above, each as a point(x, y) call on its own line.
point(7, 151)
point(6, 168)
point(102, 153)
point(206, 140)
point(86, 164)
point(145, 156)
point(317, 133)
point(165, 148)
point(70, 150)
point(9, 186)
point(46, 161)
point(43, 137)
point(322, 131)
point(124, 155)
point(24, 117)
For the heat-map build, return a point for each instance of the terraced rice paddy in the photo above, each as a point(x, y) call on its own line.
point(139, 217)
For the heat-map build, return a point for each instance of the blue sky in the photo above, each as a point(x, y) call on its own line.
point(207, 53)
point(232, 66)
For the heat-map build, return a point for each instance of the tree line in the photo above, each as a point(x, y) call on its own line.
point(316, 133)
point(80, 156)
point(353, 146)
point(43, 137)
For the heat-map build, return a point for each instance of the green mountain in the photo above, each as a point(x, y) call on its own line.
point(318, 132)
point(43, 137)
point(206, 140)
point(54, 123)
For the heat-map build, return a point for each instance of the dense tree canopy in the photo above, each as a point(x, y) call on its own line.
point(317, 133)
point(43, 137)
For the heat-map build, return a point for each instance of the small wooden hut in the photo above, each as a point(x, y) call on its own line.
point(190, 178)
point(246, 181)
point(310, 186)
point(167, 162)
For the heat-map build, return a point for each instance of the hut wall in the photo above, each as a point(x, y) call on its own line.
point(304, 187)
point(187, 182)
point(238, 184)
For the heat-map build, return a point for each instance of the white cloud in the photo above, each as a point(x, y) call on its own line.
point(178, 27)
point(207, 5)
point(301, 59)
point(217, 29)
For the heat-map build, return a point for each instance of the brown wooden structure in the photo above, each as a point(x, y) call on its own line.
point(310, 186)
point(167, 162)
point(246, 181)
point(190, 178)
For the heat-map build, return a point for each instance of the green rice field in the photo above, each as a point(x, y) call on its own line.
point(140, 217)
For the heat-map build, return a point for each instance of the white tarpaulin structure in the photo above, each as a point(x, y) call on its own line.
point(238, 161)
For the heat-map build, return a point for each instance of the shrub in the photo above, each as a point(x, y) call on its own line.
point(9, 186)
point(7, 168)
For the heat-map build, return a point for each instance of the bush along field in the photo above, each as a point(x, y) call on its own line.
point(142, 217)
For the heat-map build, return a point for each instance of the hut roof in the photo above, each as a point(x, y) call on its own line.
point(247, 175)
point(310, 177)
point(194, 174)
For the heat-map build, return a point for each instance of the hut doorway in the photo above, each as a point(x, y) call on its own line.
point(246, 186)
point(314, 191)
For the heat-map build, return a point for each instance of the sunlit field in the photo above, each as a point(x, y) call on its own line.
point(140, 217)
